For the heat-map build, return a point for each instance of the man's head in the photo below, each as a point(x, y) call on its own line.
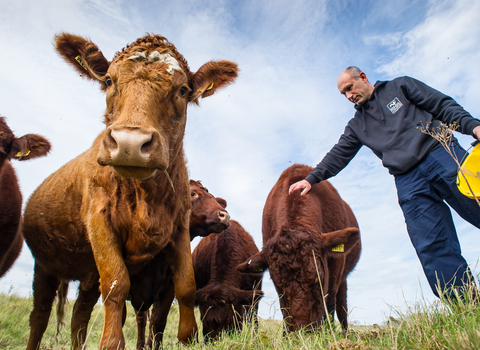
point(354, 85)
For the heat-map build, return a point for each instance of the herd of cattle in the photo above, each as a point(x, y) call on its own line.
point(119, 218)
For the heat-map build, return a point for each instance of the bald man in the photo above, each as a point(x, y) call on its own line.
point(388, 115)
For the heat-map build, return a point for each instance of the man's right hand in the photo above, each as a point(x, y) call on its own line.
point(303, 185)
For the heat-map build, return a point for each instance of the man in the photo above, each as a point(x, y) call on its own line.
point(387, 120)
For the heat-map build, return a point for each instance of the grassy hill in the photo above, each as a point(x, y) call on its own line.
point(441, 325)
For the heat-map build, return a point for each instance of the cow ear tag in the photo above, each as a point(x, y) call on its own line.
point(209, 86)
point(339, 248)
point(80, 62)
point(19, 154)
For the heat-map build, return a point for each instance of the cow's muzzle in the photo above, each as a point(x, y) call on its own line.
point(133, 152)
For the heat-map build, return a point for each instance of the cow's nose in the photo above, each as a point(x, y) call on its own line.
point(224, 217)
point(130, 143)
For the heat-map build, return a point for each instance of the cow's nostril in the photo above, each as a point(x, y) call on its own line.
point(111, 142)
point(147, 146)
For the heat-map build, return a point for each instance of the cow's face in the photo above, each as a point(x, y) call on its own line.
point(298, 265)
point(146, 113)
point(208, 213)
point(21, 148)
point(148, 86)
point(223, 307)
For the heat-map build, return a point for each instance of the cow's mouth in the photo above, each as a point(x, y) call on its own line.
point(217, 228)
point(139, 173)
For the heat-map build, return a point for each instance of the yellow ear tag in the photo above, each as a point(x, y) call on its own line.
point(19, 154)
point(209, 86)
point(339, 248)
point(80, 62)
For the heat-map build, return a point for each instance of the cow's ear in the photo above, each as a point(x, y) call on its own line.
point(83, 55)
point(222, 202)
point(254, 264)
point(212, 76)
point(246, 297)
point(341, 241)
point(29, 146)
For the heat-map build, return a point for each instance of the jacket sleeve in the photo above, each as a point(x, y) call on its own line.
point(337, 158)
point(441, 106)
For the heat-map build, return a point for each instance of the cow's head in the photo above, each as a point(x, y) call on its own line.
point(208, 213)
point(289, 256)
point(148, 86)
point(223, 307)
point(21, 148)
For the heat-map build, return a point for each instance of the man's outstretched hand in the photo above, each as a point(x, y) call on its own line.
point(303, 185)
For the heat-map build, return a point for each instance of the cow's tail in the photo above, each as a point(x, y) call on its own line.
point(61, 304)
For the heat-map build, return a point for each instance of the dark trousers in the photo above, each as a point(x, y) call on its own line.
point(422, 193)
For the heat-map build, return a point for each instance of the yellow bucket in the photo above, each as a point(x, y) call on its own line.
point(471, 170)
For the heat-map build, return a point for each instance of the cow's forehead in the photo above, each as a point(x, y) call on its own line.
point(166, 57)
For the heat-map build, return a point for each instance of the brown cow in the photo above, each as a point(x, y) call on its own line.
point(154, 284)
point(105, 214)
point(22, 148)
point(299, 231)
point(226, 297)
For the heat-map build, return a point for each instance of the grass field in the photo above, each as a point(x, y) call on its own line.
point(441, 325)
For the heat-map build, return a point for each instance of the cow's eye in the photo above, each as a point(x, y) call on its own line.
point(108, 82)
point(193, 194)
point(183, 91)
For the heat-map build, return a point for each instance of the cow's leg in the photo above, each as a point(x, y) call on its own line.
point(12, 254)
point(341, 306)
point(336, 266)
point(44, 291)
point(184, 283)
point(158, 319)
point(114, 280)
point(82, 311)
point(141, 317)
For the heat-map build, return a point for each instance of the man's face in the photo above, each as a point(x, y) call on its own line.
point(357, 91)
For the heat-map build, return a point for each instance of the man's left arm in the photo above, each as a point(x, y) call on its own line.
point(441, 106)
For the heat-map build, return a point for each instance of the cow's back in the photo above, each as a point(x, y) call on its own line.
point(321, 210)
point(217, 255)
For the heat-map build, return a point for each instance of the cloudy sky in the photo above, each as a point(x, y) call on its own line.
point(283, 109)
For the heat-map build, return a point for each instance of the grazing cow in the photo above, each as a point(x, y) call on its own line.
point(154, 284)
point(22, 148)
point(310, 245)
point(104, 215)
point(226, 297)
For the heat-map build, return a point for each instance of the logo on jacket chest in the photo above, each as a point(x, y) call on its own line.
point(395, 105)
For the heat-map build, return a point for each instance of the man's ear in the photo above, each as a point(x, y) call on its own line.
point(83, 55)
point(212, 76)
point(255, 264)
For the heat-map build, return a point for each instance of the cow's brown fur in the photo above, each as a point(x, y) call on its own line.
point(226, 297)
point(154, 284)
point(11, 147)
point(107, 213)
point(299, 231)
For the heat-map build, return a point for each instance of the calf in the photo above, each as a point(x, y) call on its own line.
point(103, 216)
point(22, 148)
point(154, 284)
point(310, 245)
point(226, 297)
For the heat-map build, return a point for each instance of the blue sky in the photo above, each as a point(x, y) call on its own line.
point(283, 109)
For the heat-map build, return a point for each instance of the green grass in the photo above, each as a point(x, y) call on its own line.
point(439, 325)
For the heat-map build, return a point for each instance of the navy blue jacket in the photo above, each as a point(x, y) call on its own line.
point(388, 123)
